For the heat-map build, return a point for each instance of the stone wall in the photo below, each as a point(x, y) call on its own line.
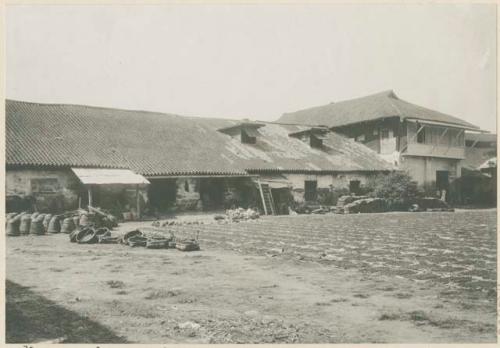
point(52, 190)
point(59, 190)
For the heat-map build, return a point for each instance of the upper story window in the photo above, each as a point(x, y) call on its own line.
point(315, 136)
point(247, 131)
point(249, 136)
point(315, 141)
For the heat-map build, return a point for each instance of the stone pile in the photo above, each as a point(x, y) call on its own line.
point(366, 205)
point(344, 200)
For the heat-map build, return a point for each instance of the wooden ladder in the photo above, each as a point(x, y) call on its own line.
point(267, 199)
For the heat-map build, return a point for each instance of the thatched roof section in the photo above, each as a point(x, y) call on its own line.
point(373, 107)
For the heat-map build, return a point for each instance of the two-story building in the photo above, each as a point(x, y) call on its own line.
point(428, 144)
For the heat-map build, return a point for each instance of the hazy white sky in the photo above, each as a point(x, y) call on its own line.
point(255, 61)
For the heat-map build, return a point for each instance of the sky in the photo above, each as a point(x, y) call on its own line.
point(254, 61)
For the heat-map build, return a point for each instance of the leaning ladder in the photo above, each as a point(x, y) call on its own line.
point(267, 199)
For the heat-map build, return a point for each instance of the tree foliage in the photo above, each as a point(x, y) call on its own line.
point(397, 188)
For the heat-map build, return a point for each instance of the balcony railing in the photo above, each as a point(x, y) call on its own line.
point(429, 150)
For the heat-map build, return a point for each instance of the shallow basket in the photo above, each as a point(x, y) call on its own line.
point(187, 245)
point(156, 243)
point(108, 239)
point(137, 241)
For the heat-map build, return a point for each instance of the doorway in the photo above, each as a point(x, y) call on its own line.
point(212, 193)
point(162, 193)
point(354, 186)
point(311, 193)
point(442, 180)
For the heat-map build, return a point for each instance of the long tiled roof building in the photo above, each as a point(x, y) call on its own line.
point(189, 162)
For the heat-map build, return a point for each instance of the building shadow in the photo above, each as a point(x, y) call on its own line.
point(32, 318)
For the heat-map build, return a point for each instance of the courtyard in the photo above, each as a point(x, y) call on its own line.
point(363, 278)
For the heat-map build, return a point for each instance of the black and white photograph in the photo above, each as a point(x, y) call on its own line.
point(250, 173)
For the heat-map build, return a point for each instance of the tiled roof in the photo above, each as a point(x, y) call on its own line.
point(275, 150)
point(372, 107)
point(156, 144)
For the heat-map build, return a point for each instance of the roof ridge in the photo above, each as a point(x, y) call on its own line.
point(94, 107)
point(398, 111)
point(128, 110)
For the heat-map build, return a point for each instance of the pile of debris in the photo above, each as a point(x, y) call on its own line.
point(345, 200)
point(430, 204)
point(39, 224)
point(237, 215)
point(350, 204)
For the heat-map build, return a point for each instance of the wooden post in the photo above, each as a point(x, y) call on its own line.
point(473, 144)
point(462, 131)
point(90, 195)
point(138, 202)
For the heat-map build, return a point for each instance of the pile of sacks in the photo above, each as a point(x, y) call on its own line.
point(239, 214)
point(38, 223)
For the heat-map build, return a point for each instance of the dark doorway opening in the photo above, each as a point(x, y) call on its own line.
point(212, 193)
point(311, 192)
point(282, 198)
point(162, 193)
point(354, 186)
point(442, 179)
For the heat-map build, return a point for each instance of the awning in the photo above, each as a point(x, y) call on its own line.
point(441, 124)
point(275, 182)
point(98, 176)
point(321, 136)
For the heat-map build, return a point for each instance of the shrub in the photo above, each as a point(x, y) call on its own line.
point(473, 189)
point(397, 188)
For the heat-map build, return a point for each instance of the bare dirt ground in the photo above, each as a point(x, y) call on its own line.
point(396, 278)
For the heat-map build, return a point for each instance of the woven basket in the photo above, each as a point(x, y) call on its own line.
point(86, 236)
point(187, 245)
point(136, 241)
point(157, 243)
point(107, 239)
